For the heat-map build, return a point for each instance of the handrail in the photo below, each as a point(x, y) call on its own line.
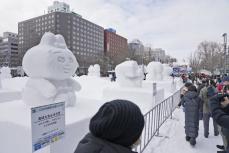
point(155, 118)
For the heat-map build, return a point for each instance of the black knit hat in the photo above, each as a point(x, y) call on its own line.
point(118, 121)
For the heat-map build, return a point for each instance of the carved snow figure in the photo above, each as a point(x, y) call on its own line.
point(90, 70)
point(154, 71)
point(5, 73)
point(50, 66)
point(0, 82)
point(97, 70)
point(94, 70)
point(129, 74)
point(167, 71)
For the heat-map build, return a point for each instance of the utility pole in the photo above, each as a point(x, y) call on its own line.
point(225, 52)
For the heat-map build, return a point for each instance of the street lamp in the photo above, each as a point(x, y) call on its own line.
point(225, 51)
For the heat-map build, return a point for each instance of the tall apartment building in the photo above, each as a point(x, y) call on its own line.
point(84, 38)
point(159, 54)
point(9, 49)
point(136, 50)
point(115, 47)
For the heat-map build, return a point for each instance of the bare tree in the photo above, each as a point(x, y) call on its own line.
point(208, 56)
point(195, 61)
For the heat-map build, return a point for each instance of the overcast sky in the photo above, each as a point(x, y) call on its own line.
point(174, 25)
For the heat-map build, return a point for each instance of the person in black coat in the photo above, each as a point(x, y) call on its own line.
point(115, 128)
point(219, 106)
point(191, 103)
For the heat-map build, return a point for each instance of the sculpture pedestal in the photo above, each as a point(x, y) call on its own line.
point(15, 127)
point(143, 97)
point(9, 95)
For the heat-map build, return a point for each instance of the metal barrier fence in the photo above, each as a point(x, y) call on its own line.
point(155, 118)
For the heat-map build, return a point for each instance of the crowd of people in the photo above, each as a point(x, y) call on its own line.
point(203, 98)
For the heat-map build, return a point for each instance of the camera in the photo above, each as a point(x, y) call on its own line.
point(222, 96)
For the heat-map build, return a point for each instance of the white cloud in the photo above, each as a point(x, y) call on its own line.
point(175, 25)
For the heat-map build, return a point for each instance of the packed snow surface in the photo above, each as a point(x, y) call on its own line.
point(172, 138)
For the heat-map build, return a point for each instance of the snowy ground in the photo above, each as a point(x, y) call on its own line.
point(15, 116)
point(172, 138)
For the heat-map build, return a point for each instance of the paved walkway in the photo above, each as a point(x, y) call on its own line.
point(172, 138)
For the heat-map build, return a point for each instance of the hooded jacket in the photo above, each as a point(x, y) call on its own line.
point(191, 102)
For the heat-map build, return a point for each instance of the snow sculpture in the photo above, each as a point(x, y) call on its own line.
point(0, 81)
point(50, 66)
point(90, 70)
point(129, 74)
point(94, 70)
point(6, 73)
point(167, 71)
point(154, 70)
point(97, 70)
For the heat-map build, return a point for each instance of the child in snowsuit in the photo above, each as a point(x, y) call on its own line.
point(191, 103)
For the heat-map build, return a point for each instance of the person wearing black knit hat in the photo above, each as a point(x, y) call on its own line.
point(115, 128)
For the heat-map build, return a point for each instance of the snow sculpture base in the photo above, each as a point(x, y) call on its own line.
point(169, 86)
point(15, 126)
point(9, 95)
point(143, 97)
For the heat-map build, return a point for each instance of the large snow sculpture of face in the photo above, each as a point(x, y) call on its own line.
point(50, 59)
point(129, 74)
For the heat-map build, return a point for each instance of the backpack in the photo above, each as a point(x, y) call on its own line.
point(210, 91)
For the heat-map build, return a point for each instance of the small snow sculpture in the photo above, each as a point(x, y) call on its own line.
point(50, 66)
point(129, 74)
point(154, 71)
point(167, 71)
point(90, 70)
point(5, 73)
point(94, 70)
point(0, 82)
point(97, 70)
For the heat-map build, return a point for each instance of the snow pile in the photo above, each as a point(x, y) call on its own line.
point(50, 66)
point(154, 70)
point(129, 74)
point(5, 73)
point(94, 70)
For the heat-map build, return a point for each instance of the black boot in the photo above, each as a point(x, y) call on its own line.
point(220, 147)
point(187, 138)
point(192, 141)
point(216, 133)
point(221, 152)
